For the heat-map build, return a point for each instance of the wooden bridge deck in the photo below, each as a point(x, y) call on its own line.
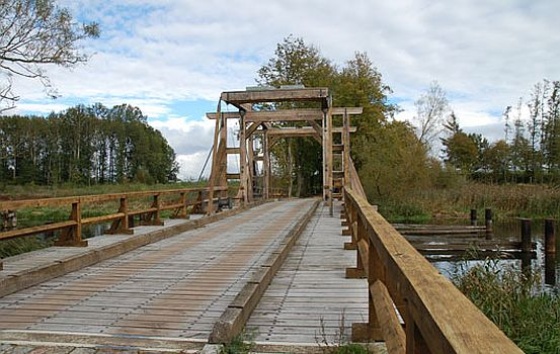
point(169, 294)
point(310, 299)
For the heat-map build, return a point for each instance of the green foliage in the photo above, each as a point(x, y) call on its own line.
point(241, 344)
point(403, 213)
point(351, 348)
point(17, 246)
point(512, 300)
point(387, 153)
point(84, 146)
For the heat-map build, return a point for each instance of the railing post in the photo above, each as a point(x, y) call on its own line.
point(72, 236)
point(415, 342)
point(181, 212)
point(358, 234)
point(121, 225)
point(156, 219)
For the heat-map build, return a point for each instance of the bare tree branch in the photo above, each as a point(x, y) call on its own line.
point(34, 33)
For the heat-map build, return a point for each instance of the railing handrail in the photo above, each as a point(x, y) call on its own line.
point(438, 318)
point(72, 227)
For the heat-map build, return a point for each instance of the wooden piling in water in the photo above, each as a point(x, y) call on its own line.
point(525, 235)
point(550, 269)
point(549, 236)
point(488, 221)
point(473, 217)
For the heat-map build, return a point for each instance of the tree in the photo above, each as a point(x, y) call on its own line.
point(34, 33)
point(497, 157)
point(296, 63)
point(462, 152)
point(84, 145)
point(431, 107)
point(396, 163)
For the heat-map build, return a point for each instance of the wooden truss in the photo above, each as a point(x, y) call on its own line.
point(264, 124)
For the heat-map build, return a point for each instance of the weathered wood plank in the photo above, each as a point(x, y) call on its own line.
point(392, 330)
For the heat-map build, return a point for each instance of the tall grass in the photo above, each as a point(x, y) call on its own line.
point(513, 300)
point(506, 201)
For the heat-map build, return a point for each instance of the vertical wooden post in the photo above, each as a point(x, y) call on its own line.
point(550, 269)
point(157, 214)
point(549, 236)
point(526, 235)
point(266, 165)
point(361, 234)
point(415, 342)
point(183, 210)
point(215, 157)
point(473, 217)
point(72, 236)
point(488, 220)
point(325, 168)
point(244, 179)
point(346, 146)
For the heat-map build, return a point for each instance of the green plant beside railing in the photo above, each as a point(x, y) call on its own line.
point(513, 300)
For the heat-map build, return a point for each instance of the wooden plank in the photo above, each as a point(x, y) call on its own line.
point(286, 115)
point(275, 95)
point(339, 130)
point(37, 203)
point(348, 110)
point(101, 219)
point(292, 132)
point(391, 328)
point(37, 229)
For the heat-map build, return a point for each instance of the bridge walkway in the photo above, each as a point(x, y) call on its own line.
point(162, 295)
point(310, 302)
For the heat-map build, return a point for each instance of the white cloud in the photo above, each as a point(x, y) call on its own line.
point(154, 53)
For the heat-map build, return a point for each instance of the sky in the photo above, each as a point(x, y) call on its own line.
point(173, 58)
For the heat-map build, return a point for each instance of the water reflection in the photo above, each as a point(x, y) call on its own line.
point(548, 265)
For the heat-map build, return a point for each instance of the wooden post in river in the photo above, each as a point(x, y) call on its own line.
point(549, 236)
point(473, 217)
point(488, 223)
point(525, 235)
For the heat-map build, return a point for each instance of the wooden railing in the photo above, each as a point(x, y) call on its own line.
point(147, 206)
point(412, 307)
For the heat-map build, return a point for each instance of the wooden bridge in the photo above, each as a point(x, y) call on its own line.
point(294, 275)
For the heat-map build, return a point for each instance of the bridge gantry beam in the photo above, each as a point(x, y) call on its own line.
point(270, 125)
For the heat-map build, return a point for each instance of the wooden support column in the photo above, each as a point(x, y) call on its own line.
point(266, 165)
point(327, 155)
point(243, 188)
point(215, 157)
point(251, 173)
point(346, 145)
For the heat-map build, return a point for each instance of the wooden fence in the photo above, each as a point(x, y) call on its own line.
point(412, 307)
point(146, 206)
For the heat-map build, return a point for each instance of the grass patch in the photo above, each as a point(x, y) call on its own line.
point(240, 344)
point(514, 301)
point(404, 213)
point(454, 204)
point(9, 248)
